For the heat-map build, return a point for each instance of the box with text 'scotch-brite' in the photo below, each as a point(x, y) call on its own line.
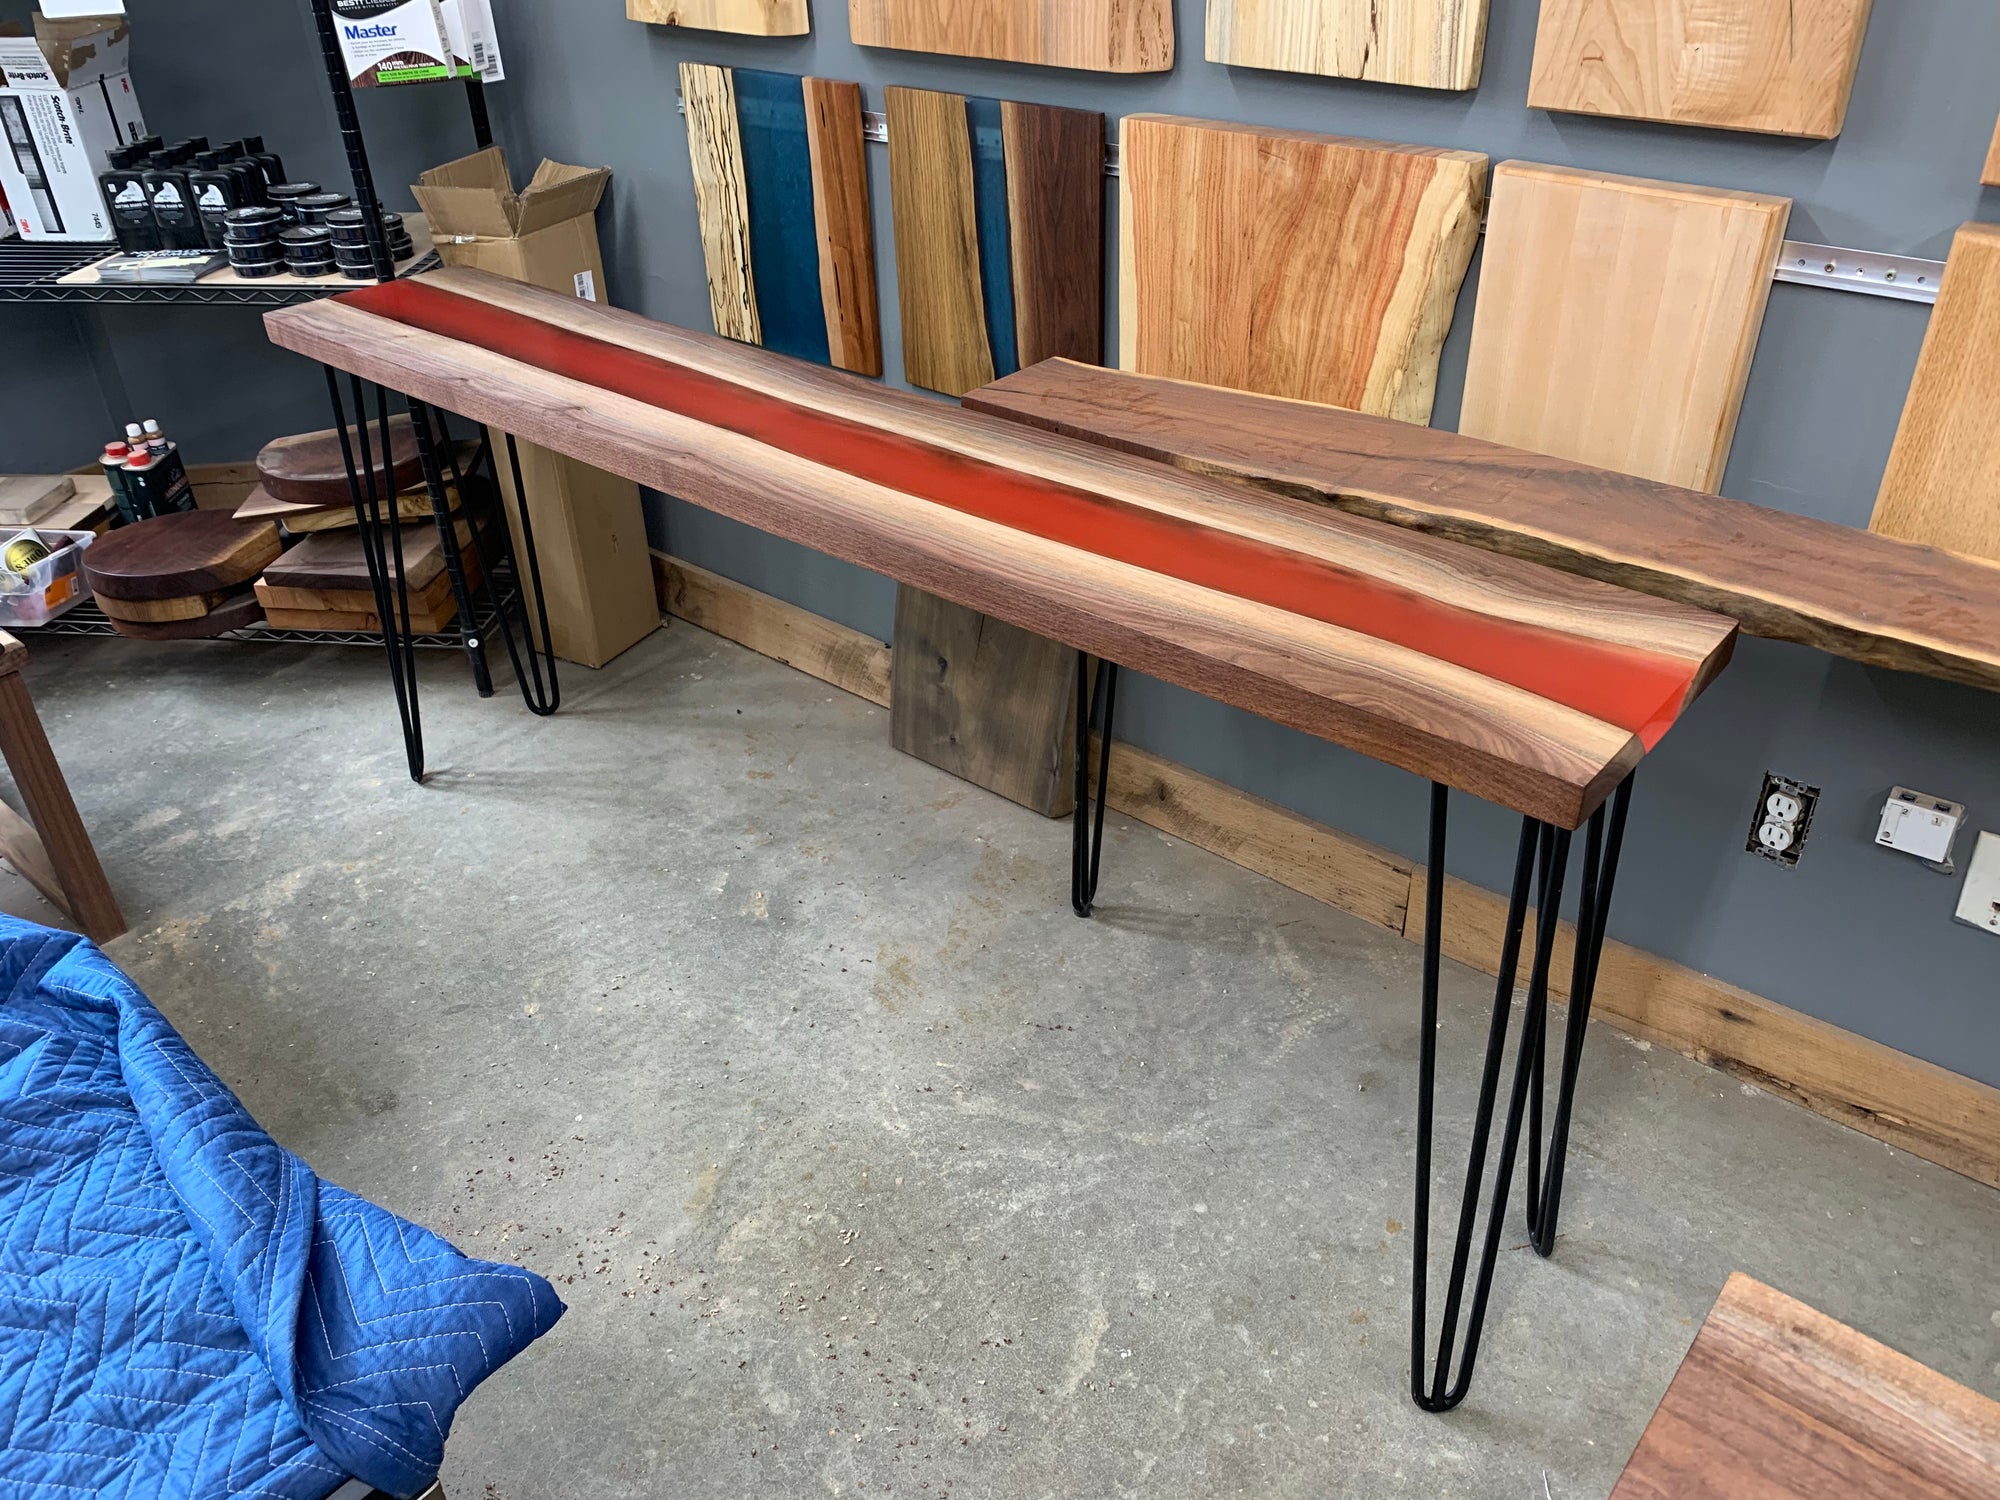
point(66, 102)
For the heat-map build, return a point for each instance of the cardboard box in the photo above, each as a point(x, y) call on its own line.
point(66, 102)
point(392, 41)
point(590, 529)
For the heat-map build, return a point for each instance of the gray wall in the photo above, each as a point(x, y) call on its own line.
point(1857, 936)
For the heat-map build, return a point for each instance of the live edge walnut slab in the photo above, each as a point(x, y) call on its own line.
point(1791, 578)
point(1508, 681)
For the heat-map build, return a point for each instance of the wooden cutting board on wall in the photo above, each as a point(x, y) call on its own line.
point(1292, 264)
point(1943, 482)
point(1991, 176)
point(1617, 318)
point(1778, 66)
point(1102, 36)
point(781, 192)
point(999, 215)
point(1431, 44)
point(750, 17)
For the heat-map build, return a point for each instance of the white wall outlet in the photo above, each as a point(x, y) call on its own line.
point(1979, 902)
point(1782, 820)
point(1923, 826)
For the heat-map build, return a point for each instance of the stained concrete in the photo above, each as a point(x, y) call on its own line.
point(864, 1166)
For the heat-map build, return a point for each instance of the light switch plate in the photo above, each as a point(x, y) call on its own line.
point(1923, 826)
point(1979, 902)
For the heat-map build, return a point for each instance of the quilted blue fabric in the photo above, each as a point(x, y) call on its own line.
point(185, 1308)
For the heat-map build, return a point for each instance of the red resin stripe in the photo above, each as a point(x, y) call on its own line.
point(1637, 690)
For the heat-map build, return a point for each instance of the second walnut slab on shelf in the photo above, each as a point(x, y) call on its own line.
point(1617, 318)
point(1432, 44)
point(1774, 66)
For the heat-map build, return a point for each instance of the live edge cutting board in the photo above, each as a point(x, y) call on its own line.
point(1617, 318)
point(1292, 264)
point(1784, 67)
point(751, 17)
point(1432, 44)
point(781, 188)
point(1103, 36)
point(1943, 483)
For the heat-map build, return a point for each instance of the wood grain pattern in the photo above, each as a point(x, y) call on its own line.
point(1311, 266)
point(1105, 36)
point(335, 560)
point(160, 611)
point(1435, 658)
point(722, 199)
point(749, 17)
point(1055, 216)
point(239, 610)
point(1991, 175)
point(421, 622)
point(1886, 603)
point(309, 469)
point(843, 225)
point(1776, 1401)
point(1765, 65)
point(853, 662)
point(990, 703)
point(1432, 44)
point(1942, 487)
point(429, 599)
point(1617, 318)
point(171, 557)
point(938, 273)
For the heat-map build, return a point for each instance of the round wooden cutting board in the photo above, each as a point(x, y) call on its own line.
point(240, 609)
point(309, 470)
point(174, 557)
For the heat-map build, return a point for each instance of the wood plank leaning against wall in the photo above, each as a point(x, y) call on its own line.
point(1926, 1110)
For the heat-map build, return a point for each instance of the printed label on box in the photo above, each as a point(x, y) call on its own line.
point(392, 41)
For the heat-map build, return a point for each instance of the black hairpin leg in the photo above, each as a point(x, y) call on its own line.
point(1087, 832)
point(371, 483)
point(1540, 866)
point(534, 665)
point(430, 443)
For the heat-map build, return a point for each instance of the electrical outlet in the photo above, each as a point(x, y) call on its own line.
point(1782, 820)
point(1979, 902)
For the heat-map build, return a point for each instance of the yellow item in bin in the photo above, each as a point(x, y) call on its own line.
point(23, 552)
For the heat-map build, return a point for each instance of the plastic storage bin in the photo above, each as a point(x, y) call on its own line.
point(52, 587)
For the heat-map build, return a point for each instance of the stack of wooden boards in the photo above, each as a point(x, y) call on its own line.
point(181, 577)
point(57, 502)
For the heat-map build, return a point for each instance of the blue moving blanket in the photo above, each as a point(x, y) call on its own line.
point(185, 1309)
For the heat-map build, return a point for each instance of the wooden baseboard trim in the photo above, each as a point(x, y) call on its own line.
point(1928, 1111)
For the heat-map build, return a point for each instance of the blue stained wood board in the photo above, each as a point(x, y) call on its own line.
point(778, 182)
point(996, 246)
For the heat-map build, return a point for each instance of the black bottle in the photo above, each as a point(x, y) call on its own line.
point(274, 169)
point(129, 202)
point(217, 191)
point(172, 197)
point(237, 158)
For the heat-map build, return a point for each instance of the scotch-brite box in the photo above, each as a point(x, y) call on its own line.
point(53, 586)
point(393, 41)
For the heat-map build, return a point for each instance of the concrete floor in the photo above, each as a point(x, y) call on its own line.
point(863, 1165)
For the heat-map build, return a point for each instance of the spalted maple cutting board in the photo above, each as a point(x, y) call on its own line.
point(999, 213)
point(781, 189)
point(1104, 36)
point(1432, 44)
point(1292, 264)
point(751, 17)
point(1784, 67)
point(1617, 318)
point(1943, 482)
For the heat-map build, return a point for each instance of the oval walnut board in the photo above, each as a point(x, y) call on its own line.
point(173, 557)
point(309, 469)
point(240, 609)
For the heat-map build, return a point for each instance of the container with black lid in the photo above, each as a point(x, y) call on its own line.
point(308, 250)
point(286, 195)
point(314, 207)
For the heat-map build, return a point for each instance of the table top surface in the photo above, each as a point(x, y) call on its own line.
point(1778, 1402)
point(1534, 690)
point(1839, 588)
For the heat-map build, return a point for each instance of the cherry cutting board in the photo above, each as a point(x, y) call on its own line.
point(1292, 264)
point(1617, 318)
point(1777, 66)
point(1431, 44)
point(750, 17)
point(1102, 36)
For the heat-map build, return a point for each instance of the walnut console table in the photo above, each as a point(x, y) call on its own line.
point(1480, 673)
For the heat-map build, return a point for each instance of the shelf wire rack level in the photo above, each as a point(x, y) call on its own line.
point(89, 622)
point(33, 272)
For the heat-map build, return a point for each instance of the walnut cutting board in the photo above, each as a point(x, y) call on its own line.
point(1617, 318)
point(1943, 483)
point(1101, 36)
point(1432, 44)
point(1292, 264)
point(1778, 66)
point(750, 17)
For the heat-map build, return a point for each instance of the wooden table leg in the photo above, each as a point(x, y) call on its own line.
point(87, 894)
